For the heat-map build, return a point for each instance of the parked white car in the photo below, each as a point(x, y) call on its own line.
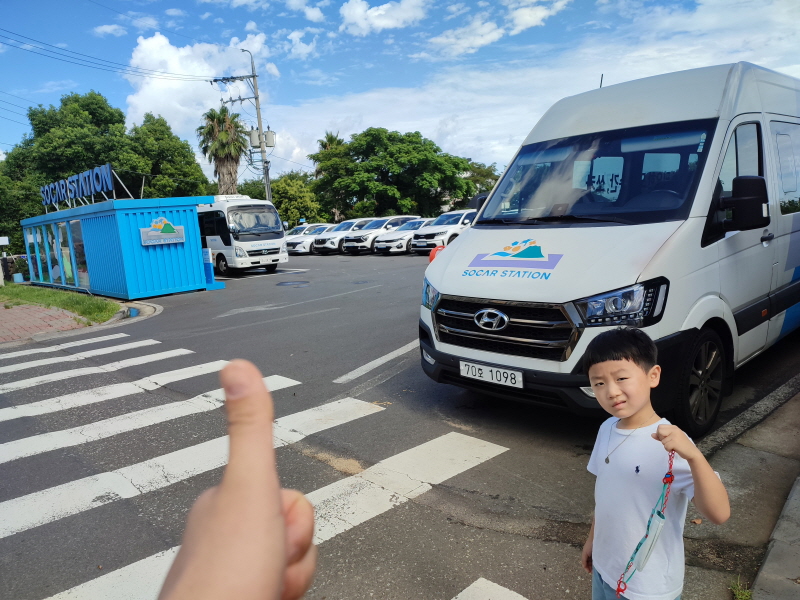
point(304, 244)
point(365, 239)
point(333, 240)
point(444, 229)
point(303, 229)
point(399, 240)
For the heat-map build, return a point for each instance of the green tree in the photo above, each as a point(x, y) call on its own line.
point(403, 173)
point(223, 140)
point(294, 200)
point(82, 132)
point(482, 176)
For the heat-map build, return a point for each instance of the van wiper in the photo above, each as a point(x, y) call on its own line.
point(575, 218)
point(495, 222)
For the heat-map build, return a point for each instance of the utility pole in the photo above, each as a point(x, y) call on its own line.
point(257, 100)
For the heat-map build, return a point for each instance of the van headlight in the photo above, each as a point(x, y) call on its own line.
point(240, 252)
point(639, 305)
point(283, 248)
point(429, 295)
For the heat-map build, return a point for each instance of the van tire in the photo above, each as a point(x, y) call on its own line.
point(222, 265)
point(701, 384)
point(271, 268)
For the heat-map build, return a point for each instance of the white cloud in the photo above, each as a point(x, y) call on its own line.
point(251, 26)
point(524, 14)
point(272, 70)
point(104, 30)
point(317, 77)
point(141, 21)
point(205, 15)
point(312, 13)
point(219, 20)
point(467, 40)
point(248, 4)
point(175, 12)
point(2, 155)
point(56, 86)
point(456, 10)
point(299, 49)
point(61, 45)
point(359, 18)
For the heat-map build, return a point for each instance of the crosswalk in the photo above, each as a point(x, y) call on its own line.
point(347, 503)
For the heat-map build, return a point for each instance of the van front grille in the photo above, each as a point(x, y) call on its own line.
point(534, 330)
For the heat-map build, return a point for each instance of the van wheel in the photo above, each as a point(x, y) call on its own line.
point(271, 268)
point(701, 385)
point(222, 265)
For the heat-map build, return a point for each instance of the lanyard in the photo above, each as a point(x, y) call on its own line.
point(650, 537)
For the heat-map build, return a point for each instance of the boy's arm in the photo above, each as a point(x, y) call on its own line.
point(586, 554)
point(710, 496)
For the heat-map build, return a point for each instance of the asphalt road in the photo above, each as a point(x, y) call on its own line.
point(94, 488)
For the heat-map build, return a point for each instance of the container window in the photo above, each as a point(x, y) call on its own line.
point(81, 268)
point(43, 251)
point(65, 255)
point(56, 274)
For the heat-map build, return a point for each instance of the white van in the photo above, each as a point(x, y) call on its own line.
point(242, 233)
point(668, 203)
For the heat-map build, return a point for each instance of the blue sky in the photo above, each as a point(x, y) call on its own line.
point(472, 75)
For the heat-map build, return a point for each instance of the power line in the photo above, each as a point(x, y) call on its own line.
point(132, 71)
point(161, 175)
point(7, 144)
point(61, 52)
point(20, 97)
point(292, 161)
point(12, 104)
point(142, 21)
point(12, 120)
point(13, 111)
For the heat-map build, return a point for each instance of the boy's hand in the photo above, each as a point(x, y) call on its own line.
point(586, 556)
point(673, 438)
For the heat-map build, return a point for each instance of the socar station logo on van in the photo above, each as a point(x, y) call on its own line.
point(523, 259)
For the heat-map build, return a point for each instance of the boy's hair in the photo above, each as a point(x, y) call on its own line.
point(623, 343)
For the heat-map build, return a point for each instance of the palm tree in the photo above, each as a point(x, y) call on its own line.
point(223, 140)
point(329, 141)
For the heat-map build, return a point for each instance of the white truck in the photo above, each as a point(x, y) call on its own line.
point(242, 233)
point(669, 203)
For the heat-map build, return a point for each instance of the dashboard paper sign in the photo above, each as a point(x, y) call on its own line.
point(160, 232)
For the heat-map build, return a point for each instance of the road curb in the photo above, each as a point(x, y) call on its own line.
point(714, 441)
point(779, 575)
point(146, 310)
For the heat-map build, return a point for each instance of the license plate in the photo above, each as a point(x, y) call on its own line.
point(491, 374)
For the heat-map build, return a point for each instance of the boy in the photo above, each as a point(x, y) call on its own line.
point(630, 459)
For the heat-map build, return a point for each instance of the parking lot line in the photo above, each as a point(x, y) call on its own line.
point(376, 363)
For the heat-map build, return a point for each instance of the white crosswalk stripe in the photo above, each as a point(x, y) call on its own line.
point(108, 392)
point(77, 356)
point(71, 498)
point(483, 589)
point(107, 368)
point(339, 507)
point(55, 440)
point(58, 347)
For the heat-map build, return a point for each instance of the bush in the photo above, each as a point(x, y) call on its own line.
point(21, 266)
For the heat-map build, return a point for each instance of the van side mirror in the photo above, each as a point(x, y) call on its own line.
point(748, 204)
point(232, 228)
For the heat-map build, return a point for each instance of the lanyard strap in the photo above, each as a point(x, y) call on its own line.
point(661, 506)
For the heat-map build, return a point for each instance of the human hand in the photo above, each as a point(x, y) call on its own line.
point(246, 538)
point(675, 439)
point(586, 555)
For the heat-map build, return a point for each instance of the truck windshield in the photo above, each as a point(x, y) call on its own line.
point(636, 175)
point(254, 219)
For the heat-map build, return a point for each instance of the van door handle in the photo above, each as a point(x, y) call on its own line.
point(767, 238)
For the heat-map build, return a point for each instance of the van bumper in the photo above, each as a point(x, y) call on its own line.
point(555, 390)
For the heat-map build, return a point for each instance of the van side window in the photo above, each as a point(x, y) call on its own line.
point(787, 145)
point(743, 157)
point(221, 227)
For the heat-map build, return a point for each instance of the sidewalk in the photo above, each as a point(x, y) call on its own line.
point(27, 320)
point(760, 470)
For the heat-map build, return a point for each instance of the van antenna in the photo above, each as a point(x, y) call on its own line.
point(601, 80)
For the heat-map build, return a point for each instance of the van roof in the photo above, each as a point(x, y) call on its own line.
point(722, 91)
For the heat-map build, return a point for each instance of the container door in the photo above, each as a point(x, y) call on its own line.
point(745, 260)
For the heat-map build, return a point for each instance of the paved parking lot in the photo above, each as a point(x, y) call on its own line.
point(105, 445)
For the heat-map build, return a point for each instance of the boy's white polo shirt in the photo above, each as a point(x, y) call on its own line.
point(626, 490)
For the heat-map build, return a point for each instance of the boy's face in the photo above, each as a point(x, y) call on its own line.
point(623, 388)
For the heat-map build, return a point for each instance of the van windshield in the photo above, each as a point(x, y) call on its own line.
point(255, 221)
point(636, 175)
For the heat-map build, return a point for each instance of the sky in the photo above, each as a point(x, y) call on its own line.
point(472, 75)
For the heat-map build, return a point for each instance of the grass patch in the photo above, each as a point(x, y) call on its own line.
point(91, 308)
point(740, 591)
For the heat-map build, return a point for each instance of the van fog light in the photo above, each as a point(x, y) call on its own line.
point(430, 359)
point(588, 391)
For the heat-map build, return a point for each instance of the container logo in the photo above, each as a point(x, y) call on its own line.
point(161, 231)
point(526, 254)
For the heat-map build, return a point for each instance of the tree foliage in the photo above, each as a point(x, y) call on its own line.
point(291, 195)
point(389, 171)
point(85, 131)
point(223, 140)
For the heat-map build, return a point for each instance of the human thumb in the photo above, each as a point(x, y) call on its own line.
point(248, 405)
